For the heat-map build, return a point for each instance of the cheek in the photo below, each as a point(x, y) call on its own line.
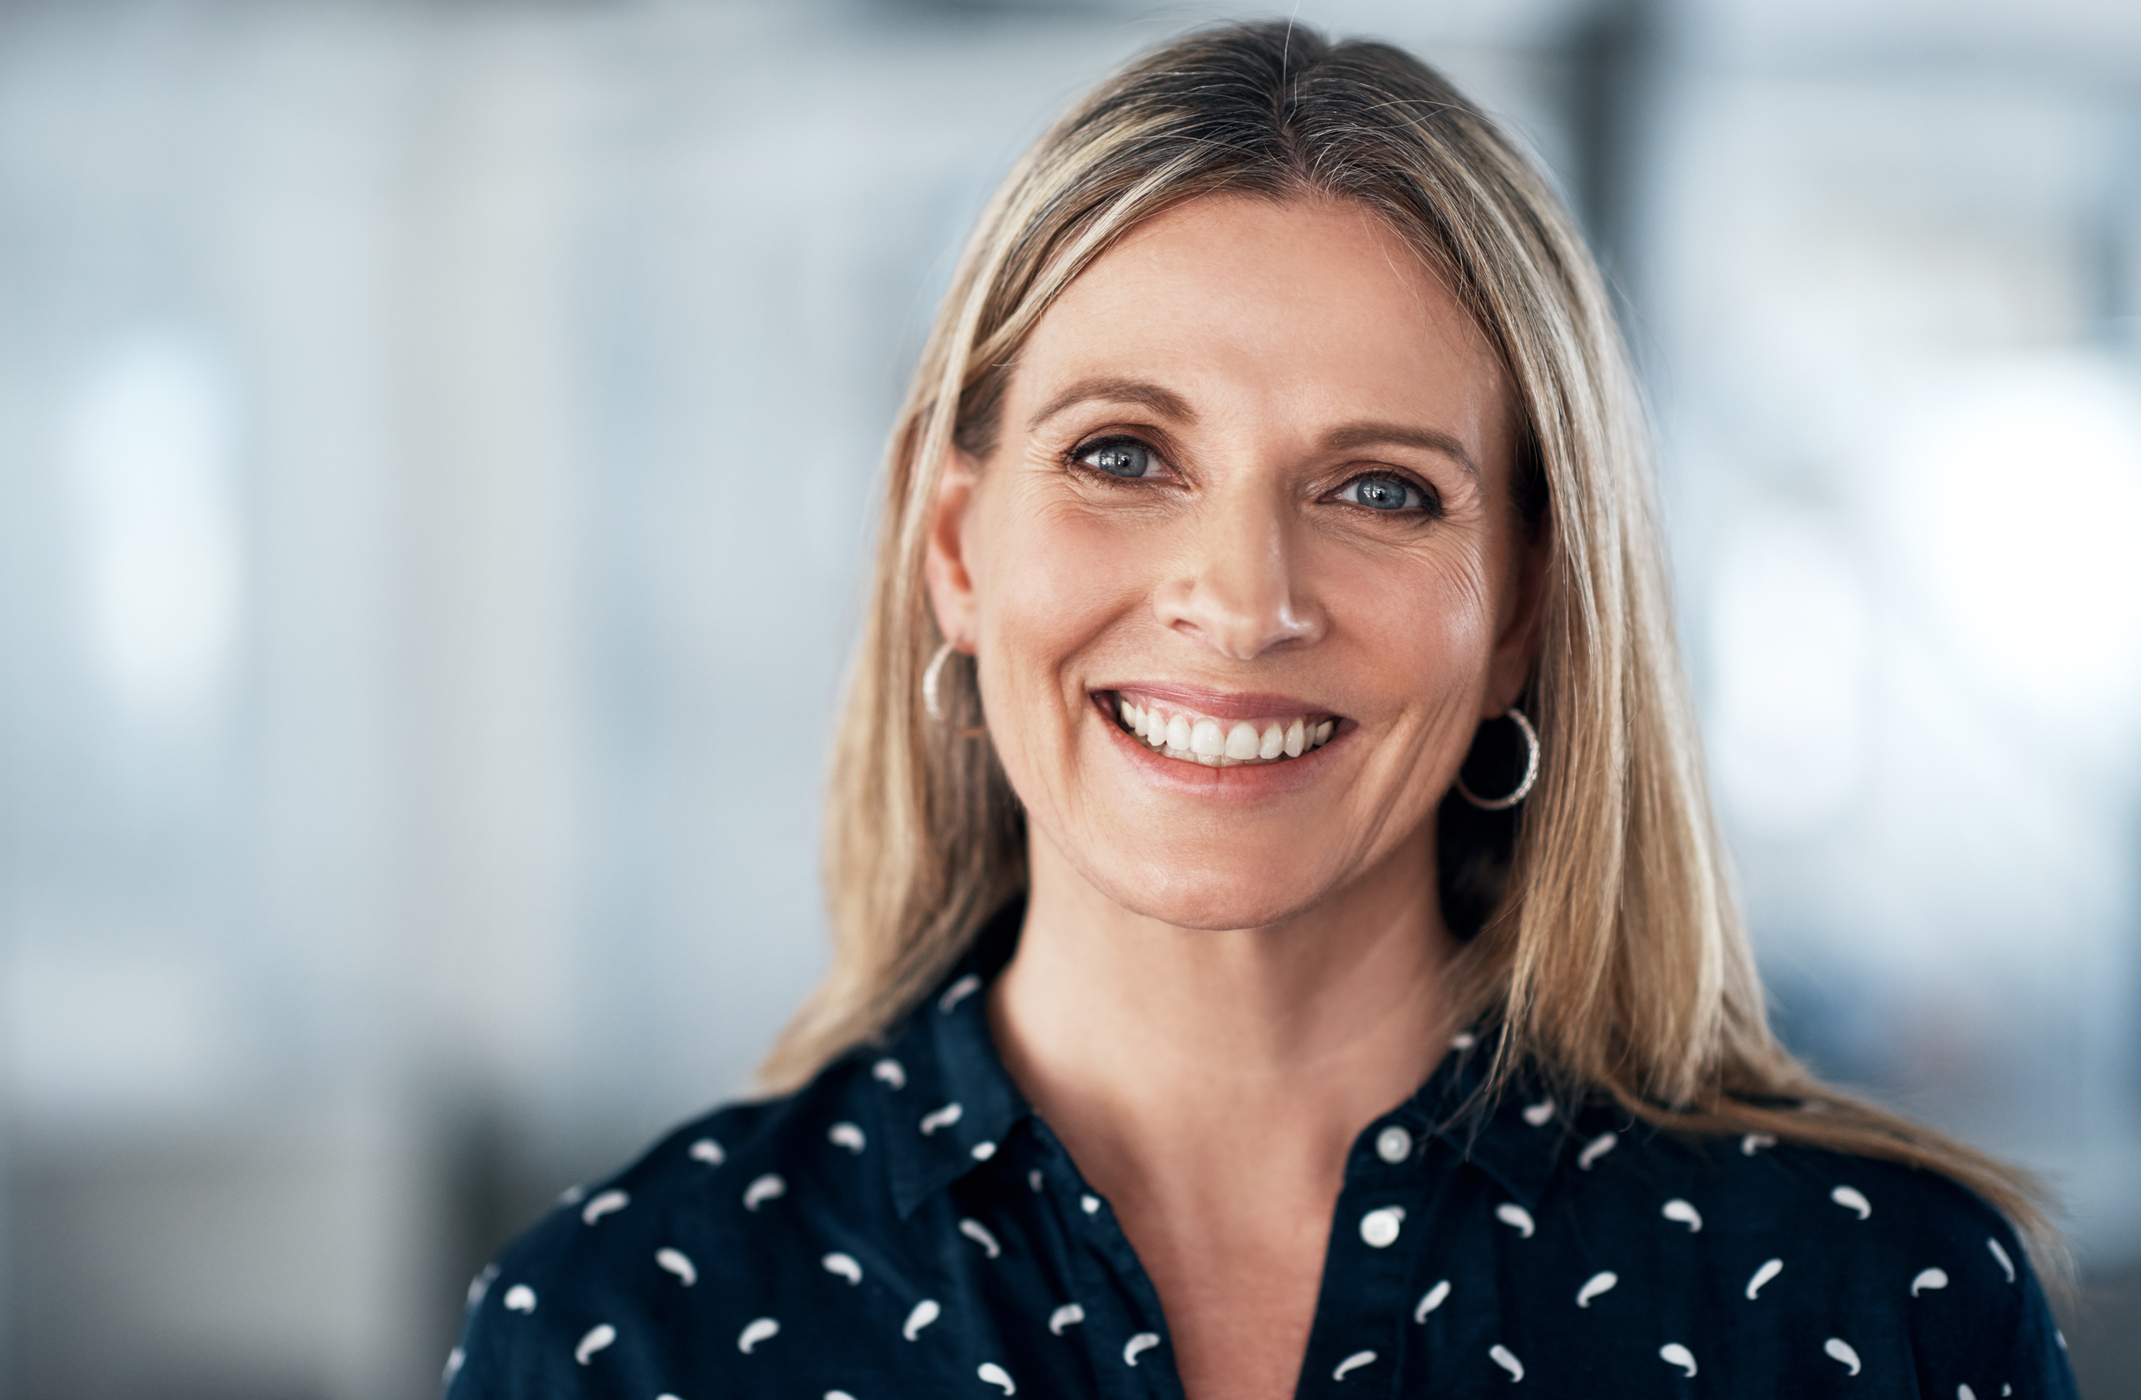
point(1056, 577)
point(1426, 617)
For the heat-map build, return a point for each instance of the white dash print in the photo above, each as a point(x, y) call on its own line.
point(1685, 1214)
point(846, 1135)
point(1069, 1315)
point(1594, 1149)
point(1540, 1113)
point(520, 1298)
point(677, 1262)
point(1595, 1285)
point(997, 1375)
point(829, 1395)
point(1755, 1142)
point(1353, 1363)
point(708, 1151)
point(1033, 1179)
point(1674, 1354)
point(1851, 1198)
point(925, 1312)
point(958, 991)
point(1506, 1359)
point(1138, 1346)
point(762, 1190)
point(979, 1234)
point(608, 1203)
point(1768, 1271)
point(1930, 1278)
point(598, 1337)
point(1515, 1217)
point(1463, 1040)
point(756, 1331)
point(1089, 1203)
point(455, 1360)
point(890, 1072)
point(843, 1265)
point(481, 1284)
point(942, 1118)
point(1432, 1299)
point(2007, 1265)
point(572, 1195)
point(1964, 1392)
point(1842, 1351)
point(983, 1151)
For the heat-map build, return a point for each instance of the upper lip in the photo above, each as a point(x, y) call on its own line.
point(1219, 704)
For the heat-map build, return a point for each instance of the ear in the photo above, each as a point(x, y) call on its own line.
point(1523, 628)
point(945, 568)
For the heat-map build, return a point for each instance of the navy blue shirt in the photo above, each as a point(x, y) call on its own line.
point(908, 1226)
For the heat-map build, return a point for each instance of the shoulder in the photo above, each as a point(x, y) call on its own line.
point(707, 1212)
point(1802, 1256)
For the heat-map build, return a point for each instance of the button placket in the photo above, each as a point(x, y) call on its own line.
point(1355, 1344)
point(1118, 1307)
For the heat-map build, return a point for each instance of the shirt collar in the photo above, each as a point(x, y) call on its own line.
point(1516, 1136)
point(954, 1104)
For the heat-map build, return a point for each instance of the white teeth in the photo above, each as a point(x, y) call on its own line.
point(1214, 743)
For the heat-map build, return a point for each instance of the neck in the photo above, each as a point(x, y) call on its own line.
point(1144, 1045)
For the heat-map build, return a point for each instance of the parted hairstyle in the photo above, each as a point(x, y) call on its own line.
point(1607, 950)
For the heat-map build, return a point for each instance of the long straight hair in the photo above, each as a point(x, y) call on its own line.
point(1612, 955)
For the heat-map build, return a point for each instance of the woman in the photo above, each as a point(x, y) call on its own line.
point(1283, 947)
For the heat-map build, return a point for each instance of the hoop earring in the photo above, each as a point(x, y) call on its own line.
point(930, 702)
point(1531, 770)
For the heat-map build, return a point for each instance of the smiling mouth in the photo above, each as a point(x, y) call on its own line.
point(1188, 737)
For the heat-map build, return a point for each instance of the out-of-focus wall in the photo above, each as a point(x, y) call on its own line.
point(436, 445)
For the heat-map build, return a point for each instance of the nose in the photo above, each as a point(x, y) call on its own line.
point(1235, 587)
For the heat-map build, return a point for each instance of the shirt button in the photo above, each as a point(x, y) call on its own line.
point(1380, 1227)
point(1393, 1144)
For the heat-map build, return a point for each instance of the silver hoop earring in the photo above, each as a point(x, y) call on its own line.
point(1531, 770)
point(933, 705)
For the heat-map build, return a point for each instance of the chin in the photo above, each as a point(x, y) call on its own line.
point(1229, 895)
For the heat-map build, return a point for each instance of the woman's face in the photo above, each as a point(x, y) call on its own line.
point(1243, 574)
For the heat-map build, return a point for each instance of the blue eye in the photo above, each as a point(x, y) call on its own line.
point(1379, 493)
point(1119, 458)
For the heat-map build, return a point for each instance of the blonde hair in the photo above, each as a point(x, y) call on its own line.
point(1613, 957)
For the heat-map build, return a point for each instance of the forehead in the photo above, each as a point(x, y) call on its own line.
point(1314, 303)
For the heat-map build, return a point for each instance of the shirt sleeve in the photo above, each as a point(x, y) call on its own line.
point(2037, 1357)
point(1993, 1328)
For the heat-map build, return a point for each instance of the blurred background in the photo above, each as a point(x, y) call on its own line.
point(436, 449)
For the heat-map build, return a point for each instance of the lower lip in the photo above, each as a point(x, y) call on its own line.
point(1242, 783)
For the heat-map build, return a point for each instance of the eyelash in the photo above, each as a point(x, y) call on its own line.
point(1430, 506)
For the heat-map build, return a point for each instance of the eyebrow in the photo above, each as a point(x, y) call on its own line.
point(1358, 435)
point(1165, 402)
